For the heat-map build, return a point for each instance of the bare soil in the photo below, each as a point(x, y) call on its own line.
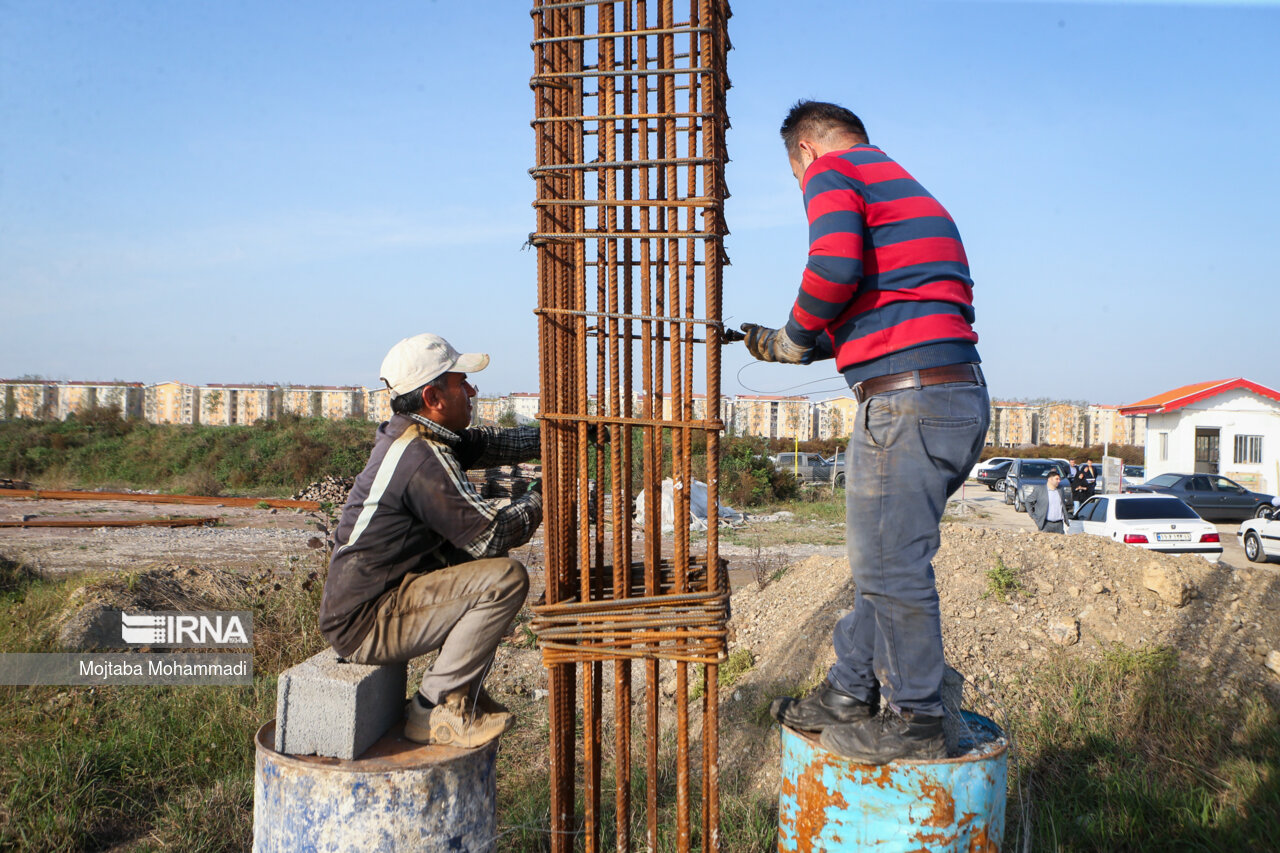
point(1013, 599)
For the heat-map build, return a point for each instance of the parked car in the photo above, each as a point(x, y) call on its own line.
point(1260, 538)
point(808, 467)
point(1155, 522)
point(1213, 497)
point(993, 477)
point(1025, 474)
point(976, 472)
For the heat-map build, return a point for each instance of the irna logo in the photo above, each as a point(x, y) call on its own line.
point(186, 629)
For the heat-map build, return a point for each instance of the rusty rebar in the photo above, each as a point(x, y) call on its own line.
point(629, 126)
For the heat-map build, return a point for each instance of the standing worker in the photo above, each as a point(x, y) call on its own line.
point(887, 292)
point(420, 560)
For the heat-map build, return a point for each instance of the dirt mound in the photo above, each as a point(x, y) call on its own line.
point(331, 490)
point(95, 608)
point(1011, 599)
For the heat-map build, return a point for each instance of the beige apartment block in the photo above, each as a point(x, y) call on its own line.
point(300, 400)
point(25, 400)
point(170, 403)
point(1062, 423)
point(698, 408)
point(338, 402)
point(1012, 424)
point(78, 397)
point(489, 410)
point(377, 404)
point(1108, 426)
point(225, 405)
point(768, 416)
point(835, 417)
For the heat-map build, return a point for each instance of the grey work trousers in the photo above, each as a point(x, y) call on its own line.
point(461, 610)
point(908, 451)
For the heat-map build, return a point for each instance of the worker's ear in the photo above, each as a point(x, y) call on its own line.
point(430, 397)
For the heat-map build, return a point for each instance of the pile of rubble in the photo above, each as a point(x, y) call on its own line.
point(505, 481)
point(332, 490)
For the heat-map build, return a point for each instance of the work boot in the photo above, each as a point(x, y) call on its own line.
point(486, 704)
point(888, 737)
point(454, 722)
point(824, 706)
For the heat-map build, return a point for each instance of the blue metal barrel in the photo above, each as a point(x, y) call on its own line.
point(954, 805)
point(397, 796)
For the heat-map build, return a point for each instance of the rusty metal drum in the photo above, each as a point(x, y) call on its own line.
point(397, 796)
point(954, 805)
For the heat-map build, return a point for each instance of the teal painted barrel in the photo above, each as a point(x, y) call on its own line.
point(397, 796)
point(954, 805)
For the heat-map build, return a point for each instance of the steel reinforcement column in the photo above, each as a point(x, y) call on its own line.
point(630, 127)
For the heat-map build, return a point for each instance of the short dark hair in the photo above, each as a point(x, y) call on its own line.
point(407, 404)
point(812, 119)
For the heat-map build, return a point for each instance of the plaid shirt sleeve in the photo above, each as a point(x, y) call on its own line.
point(513, 526)
point(486, 447)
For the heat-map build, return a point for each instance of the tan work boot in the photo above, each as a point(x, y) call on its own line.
point(454, 722)
point(486, 704)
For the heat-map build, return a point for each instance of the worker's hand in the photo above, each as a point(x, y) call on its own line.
point(598, 434)
point(535, 486)
point(774, 345)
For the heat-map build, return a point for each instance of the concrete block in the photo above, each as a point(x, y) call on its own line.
point(336, 709)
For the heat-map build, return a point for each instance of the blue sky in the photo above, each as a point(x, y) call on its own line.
point(249, 191)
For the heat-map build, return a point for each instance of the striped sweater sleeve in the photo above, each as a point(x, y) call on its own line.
point(836, 209)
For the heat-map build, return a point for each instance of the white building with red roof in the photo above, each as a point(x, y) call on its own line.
point(1229, 427)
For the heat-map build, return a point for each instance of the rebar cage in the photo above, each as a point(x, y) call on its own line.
point(630, 128)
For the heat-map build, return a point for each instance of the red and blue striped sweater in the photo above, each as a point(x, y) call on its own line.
point(887, 285)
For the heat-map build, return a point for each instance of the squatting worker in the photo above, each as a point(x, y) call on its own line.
point(887, 292)
point(420, 559)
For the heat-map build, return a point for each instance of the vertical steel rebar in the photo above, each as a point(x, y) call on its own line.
point(629, 124)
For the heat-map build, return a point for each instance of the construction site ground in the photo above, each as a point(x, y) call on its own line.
point(1013, 599)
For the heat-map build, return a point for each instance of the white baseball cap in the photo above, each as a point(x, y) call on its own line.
point(415, 361)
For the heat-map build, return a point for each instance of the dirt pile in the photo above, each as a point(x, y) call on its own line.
point(332, 490)
point(93, 611)
point(1012, 599)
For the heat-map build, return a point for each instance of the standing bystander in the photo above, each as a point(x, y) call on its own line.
point(1045, 505)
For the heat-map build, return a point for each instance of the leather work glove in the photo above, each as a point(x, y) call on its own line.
point(774, 345)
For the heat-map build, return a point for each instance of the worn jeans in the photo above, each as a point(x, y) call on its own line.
point(908, 452)
point(461, 610)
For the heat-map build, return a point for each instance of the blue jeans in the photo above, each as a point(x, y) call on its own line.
point(908, 452)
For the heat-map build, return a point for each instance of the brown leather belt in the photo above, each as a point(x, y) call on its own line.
point(918, 379)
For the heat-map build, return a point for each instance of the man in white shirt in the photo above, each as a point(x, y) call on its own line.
point(1046, 506)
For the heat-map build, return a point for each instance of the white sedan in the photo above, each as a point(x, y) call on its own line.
point(1260, 538)
point(1155, 522)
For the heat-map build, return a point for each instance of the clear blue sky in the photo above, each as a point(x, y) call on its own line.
point(251, 191)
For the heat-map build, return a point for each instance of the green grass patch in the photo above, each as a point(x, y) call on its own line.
point(1002, 581)
point(738, 664)
point(268, 458)
point(1137, 753)
point(88, 768)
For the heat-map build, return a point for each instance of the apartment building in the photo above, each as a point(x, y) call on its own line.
point(76, 397)
point(170, 403)
point(225, 405)
point(834, 417)
point(1012, 424)
point(769, 416)
point(1108, 426)
point(525, 405)
point(1062, 423)
point(28, 400)
point(377, 404)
